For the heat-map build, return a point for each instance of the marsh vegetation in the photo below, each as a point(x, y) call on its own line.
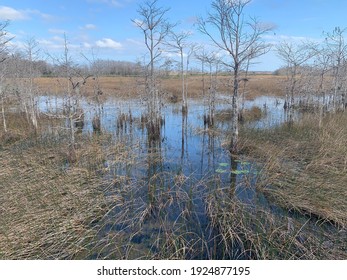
point(147, 166)
point(122, 194)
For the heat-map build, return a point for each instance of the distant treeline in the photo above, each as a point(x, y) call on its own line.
point(17, 65)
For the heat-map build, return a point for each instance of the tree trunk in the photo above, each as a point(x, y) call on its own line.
point(3, 114)
point(235, 112)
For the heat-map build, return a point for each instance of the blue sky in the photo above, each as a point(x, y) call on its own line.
point(105, 25)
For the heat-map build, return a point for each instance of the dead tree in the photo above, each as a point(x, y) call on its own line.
point(155, 28)
point(295, 57)
point(337, 48)
point(72, 82)
point(4, 40)
point(31, 53)
point(211, 59)
point(178, 43)
point(227, 28)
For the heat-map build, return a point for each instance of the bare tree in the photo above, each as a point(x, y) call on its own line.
point(190, 52)
point(31, 52)
point(178, 43)
point(155, 28)
point(4, 40)
point(337, 47)
point(72, 83)
point(240, 39)
point(200, 56)
point(295, 56)
point(97, 90)
point(3, 88)
point(322, 62)
point(211, 59)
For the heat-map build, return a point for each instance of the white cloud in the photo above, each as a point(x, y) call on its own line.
point(108, 43)
point(8, 13)
point(49, 44)
point(58, 39)
point(89, 26)
point(56, 44)
point(87, 45)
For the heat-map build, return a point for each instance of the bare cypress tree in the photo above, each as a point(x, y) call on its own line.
point(295, 56)
point(337, 47)
point(73, 80)
point(4, 40)
point(240, 39)
point(155, 28)
point(210, 58)
point(31, 52)
point(322, 66)
point(178, 42)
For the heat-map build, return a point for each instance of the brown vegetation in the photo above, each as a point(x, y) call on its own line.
point(306, 165)
point(124, 87)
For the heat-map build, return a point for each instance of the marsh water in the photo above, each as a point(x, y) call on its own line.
point(164, 185)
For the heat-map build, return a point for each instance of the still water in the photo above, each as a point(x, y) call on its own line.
point(166, 188)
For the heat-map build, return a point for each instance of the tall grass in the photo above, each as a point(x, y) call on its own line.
point(304, 173)
point(307, 164)
point(46, 211)
point(116, 201)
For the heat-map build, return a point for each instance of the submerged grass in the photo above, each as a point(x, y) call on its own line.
point(94, 206)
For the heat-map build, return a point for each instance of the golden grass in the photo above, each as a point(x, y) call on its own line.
point(132, 86)
point(46, 211)
point(306, 165)
point(47, 207)
point(110, 86)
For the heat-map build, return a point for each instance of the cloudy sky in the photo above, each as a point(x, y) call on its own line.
point(106, 27)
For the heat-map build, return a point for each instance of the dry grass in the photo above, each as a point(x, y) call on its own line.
point(268, 85)
point(48, 208)
point(304, 175)
point(131, 86)
point(245, 232)
point(307, 165)
point(46, 211)
point(52, 208)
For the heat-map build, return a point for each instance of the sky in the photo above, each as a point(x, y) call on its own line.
point(105, 26)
